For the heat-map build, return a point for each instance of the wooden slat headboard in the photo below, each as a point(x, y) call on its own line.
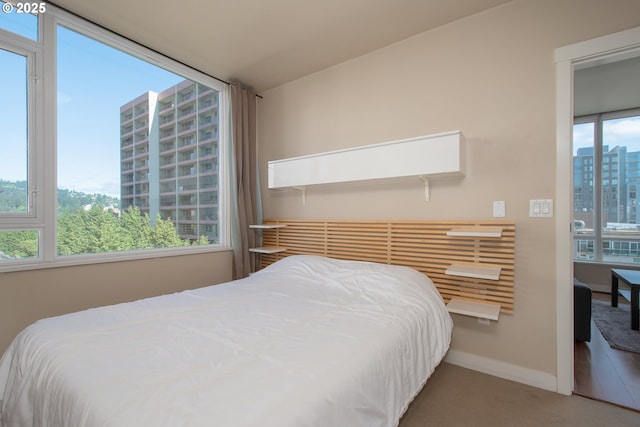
point(427, 246)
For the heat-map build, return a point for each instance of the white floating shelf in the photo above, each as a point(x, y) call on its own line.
point(425, 156)
point(475, 232)
point(267, 226)
point(474, 271)
point(474, 309)
point(267, 250)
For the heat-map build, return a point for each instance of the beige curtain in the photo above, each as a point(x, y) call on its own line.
point(245, 209)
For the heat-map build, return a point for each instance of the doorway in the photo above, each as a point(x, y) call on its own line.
point(592, 53)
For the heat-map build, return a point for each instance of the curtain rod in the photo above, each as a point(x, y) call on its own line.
point(140, 44)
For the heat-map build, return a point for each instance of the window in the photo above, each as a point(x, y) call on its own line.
point(129, 167)
point(20, 216)
point(14, 145)
point(606, 173)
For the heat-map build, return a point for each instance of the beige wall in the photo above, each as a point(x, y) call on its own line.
point(31, 295)
point(492, 76)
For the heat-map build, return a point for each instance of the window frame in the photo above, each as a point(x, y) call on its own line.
point(33, 54)
point(43, 144)
point(598, 237)
point(34, 218)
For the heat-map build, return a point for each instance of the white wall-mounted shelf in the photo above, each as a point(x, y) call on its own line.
point(475, 232)
point(438, 155)
point(267, 226)
point(267, 250)
point(474, 309)
point(474, 271)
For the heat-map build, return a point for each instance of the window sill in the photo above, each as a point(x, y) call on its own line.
point(77, 260)
point(606, 263)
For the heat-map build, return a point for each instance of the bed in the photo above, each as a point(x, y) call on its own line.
point(307, 341)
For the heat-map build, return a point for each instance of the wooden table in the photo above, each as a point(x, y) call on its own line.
point(630, 278)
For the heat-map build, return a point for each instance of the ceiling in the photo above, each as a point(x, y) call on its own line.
point(266, 43)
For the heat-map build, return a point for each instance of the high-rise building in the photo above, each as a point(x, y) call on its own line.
point(583, 188)
point(169, 157)
point(619, 178)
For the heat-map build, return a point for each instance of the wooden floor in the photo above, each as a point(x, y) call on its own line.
point(604, 373)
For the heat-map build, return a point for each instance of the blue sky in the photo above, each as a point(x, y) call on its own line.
point(624, 132)
point(94, 80)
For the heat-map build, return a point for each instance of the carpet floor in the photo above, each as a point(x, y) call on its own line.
point(455, 396)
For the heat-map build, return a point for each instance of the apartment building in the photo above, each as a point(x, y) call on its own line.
point(169, 157)
point(618, 178)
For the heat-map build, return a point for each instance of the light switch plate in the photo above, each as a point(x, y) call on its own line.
point(499, 209)
point(541, 208)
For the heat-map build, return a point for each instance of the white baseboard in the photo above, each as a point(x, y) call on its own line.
point(504, 370)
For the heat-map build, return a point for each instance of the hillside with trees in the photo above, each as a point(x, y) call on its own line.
point(13, 198)
point(87, 223)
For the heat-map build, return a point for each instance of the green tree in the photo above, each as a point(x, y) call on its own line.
point(13, 196)
point(202, 240)
point(164, 234)
point(97, 229)
point(137, 228)
point(90, 231)
point(72, 236)
point(20, 244)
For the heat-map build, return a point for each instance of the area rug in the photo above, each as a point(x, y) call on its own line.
point(615, 325)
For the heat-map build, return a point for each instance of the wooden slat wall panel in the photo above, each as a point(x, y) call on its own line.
point(422, 245)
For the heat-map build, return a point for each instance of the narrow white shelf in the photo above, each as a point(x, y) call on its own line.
point(267, 226)
point(425, 156)
point(474, 271)
point(267, 250)
point(475, 232)
point(474, 309)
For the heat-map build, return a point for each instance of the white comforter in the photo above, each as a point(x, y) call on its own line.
point(308, 341)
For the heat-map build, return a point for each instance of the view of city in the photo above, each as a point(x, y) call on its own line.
point(616, 169)
point(137, 150)
point(169, 157)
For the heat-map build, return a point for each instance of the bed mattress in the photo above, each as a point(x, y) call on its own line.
point(307, 341)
